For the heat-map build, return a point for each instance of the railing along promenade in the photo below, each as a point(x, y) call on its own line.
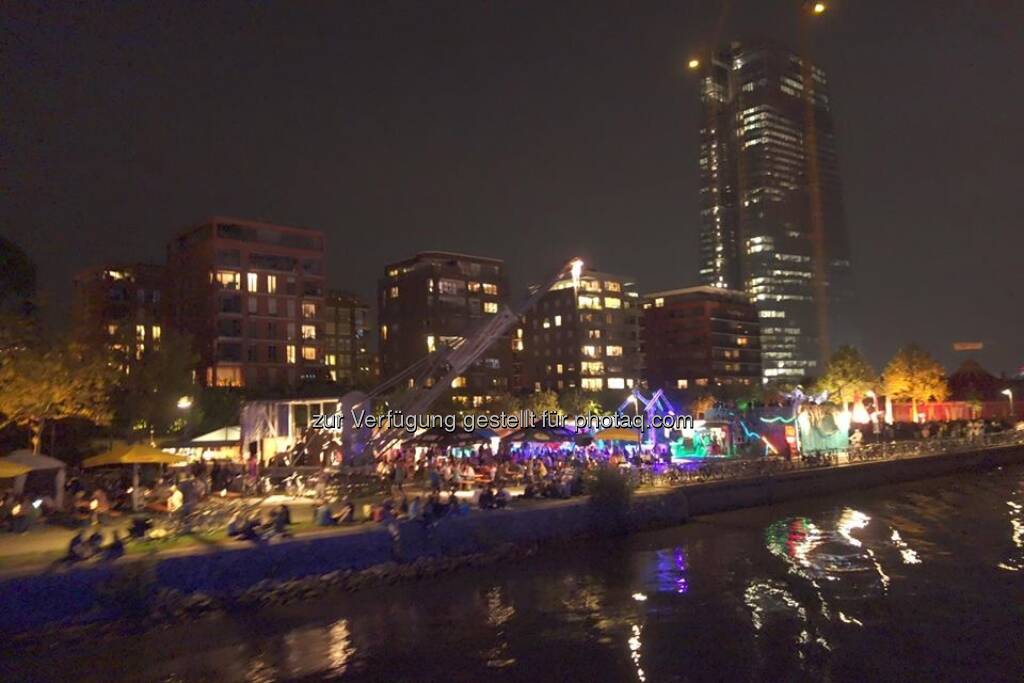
point(721, 470)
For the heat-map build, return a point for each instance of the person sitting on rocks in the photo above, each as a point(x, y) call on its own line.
point(322, 515)
point(486, 499)
point(501, 498)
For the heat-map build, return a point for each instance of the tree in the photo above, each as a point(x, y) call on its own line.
point(40, 383)
point(541, 402)
point(913, 375)
point(847, 376)
point(149, 392)
point(575, 402)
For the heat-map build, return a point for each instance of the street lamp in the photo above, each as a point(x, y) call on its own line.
point(185, 402)
point(693, 64)
point(1008, 393)
point(818, 8)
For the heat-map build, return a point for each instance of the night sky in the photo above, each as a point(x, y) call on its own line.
point(529, 131)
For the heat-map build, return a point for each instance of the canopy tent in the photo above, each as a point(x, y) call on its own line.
point(35, 462)
point(134, 455)
point(618, 434)
point(225, 436)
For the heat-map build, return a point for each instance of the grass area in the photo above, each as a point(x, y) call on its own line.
point(217, 539)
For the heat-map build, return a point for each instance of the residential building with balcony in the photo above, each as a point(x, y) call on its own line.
point(583, 338)
point(251, 295)
point(437, 299)
point(701, 337)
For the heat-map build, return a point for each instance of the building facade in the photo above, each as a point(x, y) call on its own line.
point(120, 306)
point(584, 338)
point(437, 299)
point(347, 334)
point(772, 218)
point(701, 337)
point(251, 295)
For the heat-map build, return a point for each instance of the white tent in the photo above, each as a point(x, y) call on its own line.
point(231, 435)
point(37, 461)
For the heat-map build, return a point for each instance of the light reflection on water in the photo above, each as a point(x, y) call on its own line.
point(855, 587)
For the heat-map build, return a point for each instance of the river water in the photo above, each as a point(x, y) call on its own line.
point(921, 581)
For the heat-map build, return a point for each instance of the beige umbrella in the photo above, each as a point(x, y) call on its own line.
point(9, 470)
point(134, 454)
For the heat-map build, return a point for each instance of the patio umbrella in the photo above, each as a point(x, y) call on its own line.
point(618, 434)
point(438, 436)
point(134, 455)
point(541, 435)
point(37, 461)
point(9, 470)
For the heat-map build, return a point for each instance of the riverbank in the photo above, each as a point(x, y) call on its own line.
point(200, 579)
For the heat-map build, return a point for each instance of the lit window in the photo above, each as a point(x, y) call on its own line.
point(559, 368)
point(289, 352)
point(592, 367)
point(592, 383)
point(490, 307)
point(490, 288)
point(155, 332)
point(308, 353)
point(430, 285)
point(111, 330)
point(140, 332)
point(610, 286)
point(228, 279)
point(478, 401)
point(613, 350)
point(589, 351)
point(702, 382)
point(252, 282)
point(742, 341)
point(393, 293)
point(558, 321)
point(681, 384)
point(384, 332)
point(449, 286)
point(228, 377)
point(473, 286)
point(616, 383)
point(431, 344)
point(659, 302)
point(308, 310)
point(517, 344)
point(272, 283)
point(459, 382)
point(309, 331)
point(546, 324)
point(589, 301)
point(612, 302)
point(331, 359)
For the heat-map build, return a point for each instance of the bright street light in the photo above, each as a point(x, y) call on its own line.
point(693, 64)
point(818, 8)
point(185, 402)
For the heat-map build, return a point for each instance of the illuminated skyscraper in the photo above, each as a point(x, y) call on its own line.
point(772, 220)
